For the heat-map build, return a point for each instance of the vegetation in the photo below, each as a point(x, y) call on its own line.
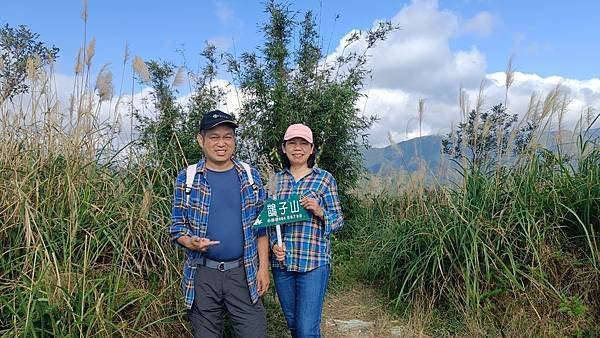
point(486, 138)
point(86, 252)
point(499, 249)
point(170, 135)
point(510, 250)
point(282, 86)
point(20, 54)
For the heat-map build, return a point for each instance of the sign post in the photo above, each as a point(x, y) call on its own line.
point(277, 212)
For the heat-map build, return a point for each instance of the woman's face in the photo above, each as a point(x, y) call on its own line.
point(297, 150)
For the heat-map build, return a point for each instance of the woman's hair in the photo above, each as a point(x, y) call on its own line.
point(286, 161)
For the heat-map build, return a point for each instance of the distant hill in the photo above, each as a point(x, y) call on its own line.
point(405, 155)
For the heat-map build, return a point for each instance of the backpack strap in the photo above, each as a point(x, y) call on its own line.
point(190, 174)
point(248, 172)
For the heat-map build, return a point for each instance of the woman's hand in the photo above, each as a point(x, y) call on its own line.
point(279, 252)
point(312, 204)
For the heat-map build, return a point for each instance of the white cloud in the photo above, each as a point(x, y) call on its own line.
point(581, 94)
point(414, 62)
point(232, 100)
point(117, 111)
point(417, 58)
point(481, 24)
point(417, 62)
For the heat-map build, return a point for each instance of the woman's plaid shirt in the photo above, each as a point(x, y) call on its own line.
point(307, 243)
point(193, 221)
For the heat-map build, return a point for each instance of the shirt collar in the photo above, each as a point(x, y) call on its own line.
point(314, 170)
point(201, 167)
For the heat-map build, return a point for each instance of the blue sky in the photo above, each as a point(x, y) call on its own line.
point(546, 37)
point(442, 45)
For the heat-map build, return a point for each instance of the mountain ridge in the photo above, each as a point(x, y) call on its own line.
point(407, 155)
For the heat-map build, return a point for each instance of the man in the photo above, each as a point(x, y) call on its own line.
point(226, 265)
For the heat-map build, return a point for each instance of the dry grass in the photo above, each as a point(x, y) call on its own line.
point(512, 252)
point(85, 249)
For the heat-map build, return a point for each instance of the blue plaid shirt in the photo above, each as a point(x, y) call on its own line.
point(307, 243)
point(193, 221)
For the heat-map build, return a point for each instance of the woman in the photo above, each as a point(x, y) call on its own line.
point(302, 263)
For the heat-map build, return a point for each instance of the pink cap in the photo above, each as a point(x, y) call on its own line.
point(298, 130)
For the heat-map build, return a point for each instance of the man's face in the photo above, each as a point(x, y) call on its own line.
point(218, 144)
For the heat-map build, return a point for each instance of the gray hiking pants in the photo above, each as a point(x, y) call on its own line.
point(217, 291)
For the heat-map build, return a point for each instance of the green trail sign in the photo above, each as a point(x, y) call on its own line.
point(281, 212)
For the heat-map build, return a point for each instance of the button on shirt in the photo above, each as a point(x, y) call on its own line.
point(307, 243)
point(193, 220)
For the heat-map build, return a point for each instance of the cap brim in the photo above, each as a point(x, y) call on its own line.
point(233, 124)
point(299, 136)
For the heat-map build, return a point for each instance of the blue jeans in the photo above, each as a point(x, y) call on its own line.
point(301, 296)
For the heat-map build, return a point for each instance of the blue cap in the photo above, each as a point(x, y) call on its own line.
point(215, 118)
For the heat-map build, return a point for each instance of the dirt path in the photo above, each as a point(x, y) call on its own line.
point(359, 312)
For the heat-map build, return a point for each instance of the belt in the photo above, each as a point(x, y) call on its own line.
point(221, 266)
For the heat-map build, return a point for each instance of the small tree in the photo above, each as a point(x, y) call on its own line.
point(158, 132)
point(20, 49)
point(486, 137)
point(205, 97)
point(282, 86)
point(170, 135)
